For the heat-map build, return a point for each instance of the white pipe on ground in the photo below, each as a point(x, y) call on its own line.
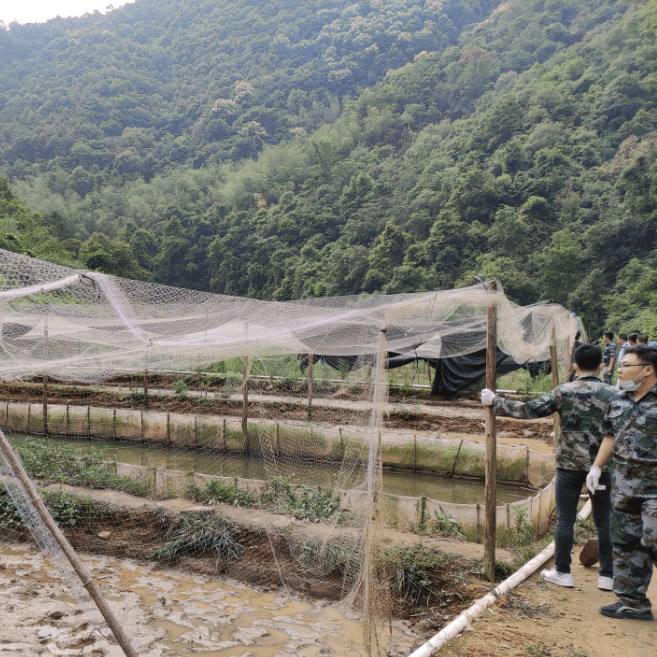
point(477, 609)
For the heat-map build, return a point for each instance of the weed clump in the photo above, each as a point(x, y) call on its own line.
point(201, 534)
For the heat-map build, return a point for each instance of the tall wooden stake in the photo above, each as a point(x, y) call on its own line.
point(45, 403)
point(245, 404)
point(554, 366)
point(45, 378)
point(146, 386)
point(310, 387)
point(490, 493)
point(68, 551)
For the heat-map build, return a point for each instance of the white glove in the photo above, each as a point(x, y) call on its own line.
point(593, 479)
point(487, 397)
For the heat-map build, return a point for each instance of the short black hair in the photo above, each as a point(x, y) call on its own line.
point(642, 338)
point(646, 355)
point(588, 357)
point(622, 336)
point(578, 335)
point(633, 336)
point(609, 334)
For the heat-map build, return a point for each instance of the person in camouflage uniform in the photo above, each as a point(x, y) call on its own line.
point(608, 357)
point(630, 427)
point(581, 405)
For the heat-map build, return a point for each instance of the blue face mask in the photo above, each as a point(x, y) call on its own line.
point(631, 385)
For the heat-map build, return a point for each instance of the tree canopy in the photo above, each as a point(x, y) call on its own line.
point(520, 143)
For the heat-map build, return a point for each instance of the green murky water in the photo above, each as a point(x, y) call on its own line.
point(445, 489)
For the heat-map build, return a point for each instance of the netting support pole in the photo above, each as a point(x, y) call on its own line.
point(490, 493)
point(146, 387)
point(80, 570)
point(245, 404)
point(45, 378)
point(45, 404)
point(554, 366)
point(310, 386)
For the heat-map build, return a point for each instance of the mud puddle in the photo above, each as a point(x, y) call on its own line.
point(168, 613)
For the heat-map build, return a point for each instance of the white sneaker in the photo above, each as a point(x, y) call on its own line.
point(554, 577)
point(605, 583)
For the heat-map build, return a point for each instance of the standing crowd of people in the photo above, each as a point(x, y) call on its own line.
point(608, 441)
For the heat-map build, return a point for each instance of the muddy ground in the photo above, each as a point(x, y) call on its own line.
point(168, 613)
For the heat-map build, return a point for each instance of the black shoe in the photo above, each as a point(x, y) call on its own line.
point(619, 610)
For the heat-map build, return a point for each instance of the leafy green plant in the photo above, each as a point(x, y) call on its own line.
point(524, 527)
point(180, 388)
point(538, 649)
point(55, 463)
point(217, 491)
point(10, 517)
point(442, 525)
point(304, 502)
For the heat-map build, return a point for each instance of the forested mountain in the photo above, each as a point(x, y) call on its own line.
point(162, 82)
point(520, 143)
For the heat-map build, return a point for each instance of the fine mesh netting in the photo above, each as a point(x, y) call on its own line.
point(182, 425)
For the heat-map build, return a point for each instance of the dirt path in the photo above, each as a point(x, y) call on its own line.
point(542, 620)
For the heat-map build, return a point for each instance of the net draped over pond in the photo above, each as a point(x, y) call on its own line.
point(216, 357)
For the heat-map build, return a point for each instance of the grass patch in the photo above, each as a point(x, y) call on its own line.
point(199, 534)
point(421, 575)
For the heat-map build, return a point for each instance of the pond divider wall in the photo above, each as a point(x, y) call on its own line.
point(401, 510)
point(419, 452)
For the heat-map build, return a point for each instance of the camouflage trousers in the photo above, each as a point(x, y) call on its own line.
point(633, 533)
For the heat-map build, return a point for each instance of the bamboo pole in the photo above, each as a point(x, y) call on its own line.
point(310, 387)
point(554, 366)
point(490, 493)
point(80, 570)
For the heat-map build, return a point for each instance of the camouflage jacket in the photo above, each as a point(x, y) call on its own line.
point(634, 427)
point(608, 354)
point(581, 404)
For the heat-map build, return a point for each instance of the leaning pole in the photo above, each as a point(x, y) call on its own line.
point(68, 551)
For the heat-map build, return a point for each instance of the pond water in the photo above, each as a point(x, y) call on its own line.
point(231, 464)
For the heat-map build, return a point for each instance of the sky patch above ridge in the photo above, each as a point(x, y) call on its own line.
point(40, 11)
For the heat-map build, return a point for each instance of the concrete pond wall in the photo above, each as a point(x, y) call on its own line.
point(420, 452)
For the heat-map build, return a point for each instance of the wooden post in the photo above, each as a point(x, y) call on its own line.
point(68, 551)
point(554, 366)
point(45, 404)
point(310, 387)
point(245, 404)
point(44, 418)
point(490, 493)
point(146, 387)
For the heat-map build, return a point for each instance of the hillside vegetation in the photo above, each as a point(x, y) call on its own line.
point(523, 147)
